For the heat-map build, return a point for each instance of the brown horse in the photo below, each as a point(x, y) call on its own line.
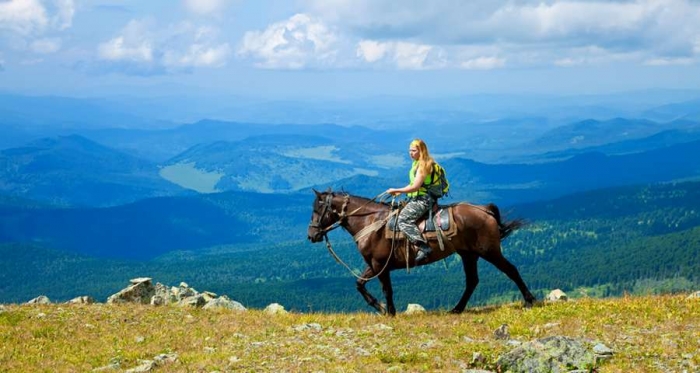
point(479, 234)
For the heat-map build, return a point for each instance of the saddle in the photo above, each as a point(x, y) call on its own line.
point(443, 220)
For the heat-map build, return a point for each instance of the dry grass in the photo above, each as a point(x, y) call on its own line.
point(648, 334)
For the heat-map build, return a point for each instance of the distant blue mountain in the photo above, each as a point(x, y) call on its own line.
point(590, 133)
point(518, 183)
point(72, 170)
point(161, 145)
point(152, 227)
point(69, 113)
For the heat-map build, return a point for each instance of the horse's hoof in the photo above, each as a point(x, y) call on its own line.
point(456, 311)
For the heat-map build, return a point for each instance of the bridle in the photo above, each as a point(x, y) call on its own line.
point(328, 209)
point(342, 218)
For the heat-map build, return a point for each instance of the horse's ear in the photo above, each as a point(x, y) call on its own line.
point(316, 192)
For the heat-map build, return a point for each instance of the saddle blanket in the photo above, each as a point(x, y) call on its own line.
point(442, 219)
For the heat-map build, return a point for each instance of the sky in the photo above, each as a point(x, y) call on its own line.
point(343, 48)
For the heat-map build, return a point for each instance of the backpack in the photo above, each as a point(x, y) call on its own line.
point(439, 187)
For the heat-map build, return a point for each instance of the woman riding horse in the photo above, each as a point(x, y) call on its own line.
point(479, 231)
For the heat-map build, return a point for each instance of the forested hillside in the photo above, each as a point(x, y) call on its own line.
point(642, 239)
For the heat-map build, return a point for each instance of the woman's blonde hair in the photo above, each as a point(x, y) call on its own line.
point(425, 161)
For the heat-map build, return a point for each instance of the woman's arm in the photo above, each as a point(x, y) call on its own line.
point(417, 183)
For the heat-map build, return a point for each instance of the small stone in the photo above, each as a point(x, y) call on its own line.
point(275, 309)
point(139, 280)
point(165, 358)
point(478, 358)
point(42, 299)
point(602, 349)
point(414, 308)
point(502, 332)
point(557, 295)
point(146, 366)
point(695, 296)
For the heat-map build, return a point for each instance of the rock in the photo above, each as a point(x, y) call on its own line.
point(223, 302)
point(85, 299)
point(113, 365)
point(478, 358)
point(413, 308)
point(162, 295)
point(551, 354)
point(165, 358)
point(140, 291)
point(193, 301)
point(275, 309)
point(138, 280)
point(695, 295)
point(502, 332)
point(146, 366)
point(310, 326)
point(184, 291)
point(557, 295)
point(42, 299)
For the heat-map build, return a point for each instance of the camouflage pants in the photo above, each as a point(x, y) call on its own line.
point(414, 209)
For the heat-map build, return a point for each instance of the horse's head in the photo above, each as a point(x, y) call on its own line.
point(325, 213)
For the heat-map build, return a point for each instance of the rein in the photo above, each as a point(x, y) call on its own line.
point(342, 216)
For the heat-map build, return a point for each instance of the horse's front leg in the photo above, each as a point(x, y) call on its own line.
point(372, 301)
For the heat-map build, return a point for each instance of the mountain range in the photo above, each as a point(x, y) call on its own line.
point(228, 202)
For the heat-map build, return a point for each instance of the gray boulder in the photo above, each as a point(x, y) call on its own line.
point(557, 295)
point(140, 291)
point(275, 309)
point(85, 299)
point(414, 308)
point(42, 299)
point(223, 302)
point(552, 354)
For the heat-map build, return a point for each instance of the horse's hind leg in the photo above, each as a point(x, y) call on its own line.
point(372, 301)
point(385, 279)
point(496, 258)
point(471, 276)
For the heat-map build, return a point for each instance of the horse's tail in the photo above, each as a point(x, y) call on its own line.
point(505, 228)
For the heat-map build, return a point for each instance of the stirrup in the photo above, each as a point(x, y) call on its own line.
point(423, 252)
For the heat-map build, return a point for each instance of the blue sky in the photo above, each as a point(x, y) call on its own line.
point(338, 48)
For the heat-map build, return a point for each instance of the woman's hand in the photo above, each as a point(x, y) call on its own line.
point(393, 192)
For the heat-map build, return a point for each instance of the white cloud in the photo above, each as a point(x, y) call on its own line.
point(144, 49)
point(293, 44)
point(525, 31)
point(669, 61)
point(133, 44)
point(24, 17)
point(63, 19)
point(33, 25)
point(371, 51)
point(204, 7)
point(198, 55)
point(483, 63)
point(411, 56)
point(402, 55)
point(46, 46)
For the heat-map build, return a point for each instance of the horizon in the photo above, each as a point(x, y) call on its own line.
point(342, 50)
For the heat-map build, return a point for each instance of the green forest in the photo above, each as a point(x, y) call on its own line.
point(629, 240)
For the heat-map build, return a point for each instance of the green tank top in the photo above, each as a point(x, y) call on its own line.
point(412, 176)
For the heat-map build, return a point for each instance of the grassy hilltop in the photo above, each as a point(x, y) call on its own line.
point(647, 334)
